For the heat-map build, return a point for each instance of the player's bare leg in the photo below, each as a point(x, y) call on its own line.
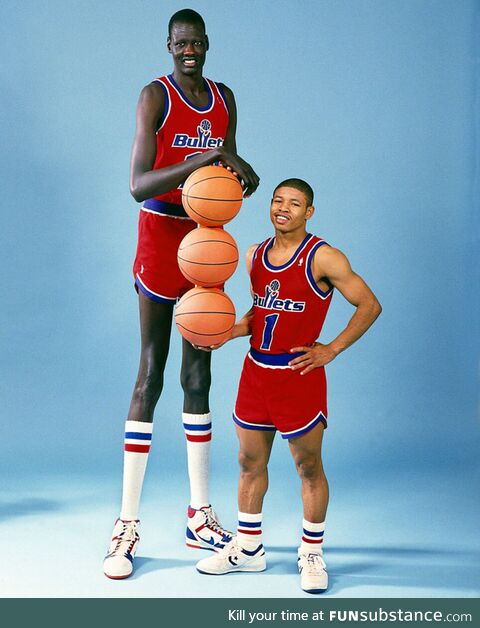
point(307, 454)
point(204, 531)
point(253, 457)
point(155, 327)
point(245, 552)
point(155, 330)
point(195, 377)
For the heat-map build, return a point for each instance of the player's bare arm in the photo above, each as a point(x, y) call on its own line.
point(331, 267)
point(146, 182)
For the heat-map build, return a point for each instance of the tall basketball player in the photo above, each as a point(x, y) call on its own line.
point(184, 121)
point(282, 386)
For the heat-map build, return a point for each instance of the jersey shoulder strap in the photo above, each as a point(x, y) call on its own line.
point(259, 251)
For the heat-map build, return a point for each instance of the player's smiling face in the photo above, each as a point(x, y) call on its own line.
point(188, 45)
point(289, 210)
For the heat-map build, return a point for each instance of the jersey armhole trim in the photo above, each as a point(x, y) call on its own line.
point(167, 106)
point(254, 256)
point(309, 274)
point(221, 91)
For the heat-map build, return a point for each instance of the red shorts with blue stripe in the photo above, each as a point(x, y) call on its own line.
point(161, 228)
point(273, 397)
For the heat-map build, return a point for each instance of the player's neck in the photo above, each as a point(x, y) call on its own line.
point(190, 83)
point(292, 239)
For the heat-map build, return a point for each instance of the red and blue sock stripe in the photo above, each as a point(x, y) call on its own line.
point(250, 527)
point(138, 442)
point(313, 533)
point(198, 432)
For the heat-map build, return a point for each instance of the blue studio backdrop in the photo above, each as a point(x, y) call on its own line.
point(374, 103)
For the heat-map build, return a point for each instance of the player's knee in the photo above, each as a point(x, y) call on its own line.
point(309, 467)
point(149, 386)
point(251, 464)
point(196, 382)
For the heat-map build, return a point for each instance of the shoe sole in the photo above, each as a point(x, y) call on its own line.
point(223, 573)
point(118, 577)
point(314, 590)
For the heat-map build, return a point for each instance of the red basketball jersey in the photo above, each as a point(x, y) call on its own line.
point(289, 307)
point(187, 130)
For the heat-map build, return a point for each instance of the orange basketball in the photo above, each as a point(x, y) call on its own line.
point(207, 256)
point(205, 316)
point(212, 196)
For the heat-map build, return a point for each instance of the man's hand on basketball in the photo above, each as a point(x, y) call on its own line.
point(313, 357)
point(242, 170)
point(211, 347)
point(240, 329)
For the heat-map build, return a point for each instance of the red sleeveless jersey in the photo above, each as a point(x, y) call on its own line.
point(289, 309)
point(187, 130)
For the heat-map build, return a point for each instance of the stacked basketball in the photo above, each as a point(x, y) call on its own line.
point(208, 256)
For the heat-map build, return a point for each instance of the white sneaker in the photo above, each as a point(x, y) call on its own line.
point(204, 531)
point(233, 558)
point(313, 572)
point(118, 562)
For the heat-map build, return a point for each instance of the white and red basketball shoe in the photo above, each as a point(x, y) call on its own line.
point(204, 531)
point(118, 563)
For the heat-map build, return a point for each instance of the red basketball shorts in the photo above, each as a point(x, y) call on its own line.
point(155, 268)
point(273, 397)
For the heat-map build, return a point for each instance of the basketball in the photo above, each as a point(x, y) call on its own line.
point(207, 256)
point(212, 196)
point(205, 316)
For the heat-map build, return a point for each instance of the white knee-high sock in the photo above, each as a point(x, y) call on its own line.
point(198, 432)
point(138, 436)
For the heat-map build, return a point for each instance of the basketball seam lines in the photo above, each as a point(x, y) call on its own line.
point(209, 292)
point(235, 261)
point(205, 284)
point(215, 200)
point(192, 331)
point(182, 248)
point(221, 220)
point(203, 312)
point(217, 176)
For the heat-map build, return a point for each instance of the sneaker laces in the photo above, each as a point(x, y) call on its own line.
point(212, 521)
point(315, 563)
point(128, 535)
point(232, 548)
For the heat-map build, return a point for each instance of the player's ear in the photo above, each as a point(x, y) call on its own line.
point(310, 211)
point(169, 44)
point(207, 43)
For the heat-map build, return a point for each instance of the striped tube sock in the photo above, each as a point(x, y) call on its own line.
point(249, 531)
point(312, 538)
point(198, 431)
point(138, 436)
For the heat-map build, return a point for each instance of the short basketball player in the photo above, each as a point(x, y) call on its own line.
point(282, 386)
point(184, 121)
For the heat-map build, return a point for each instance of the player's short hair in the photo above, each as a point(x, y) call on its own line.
point(188, 16)
point(298, 184)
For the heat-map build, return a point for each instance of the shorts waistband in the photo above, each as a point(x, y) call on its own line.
point(273, 359)
point(167, 209)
